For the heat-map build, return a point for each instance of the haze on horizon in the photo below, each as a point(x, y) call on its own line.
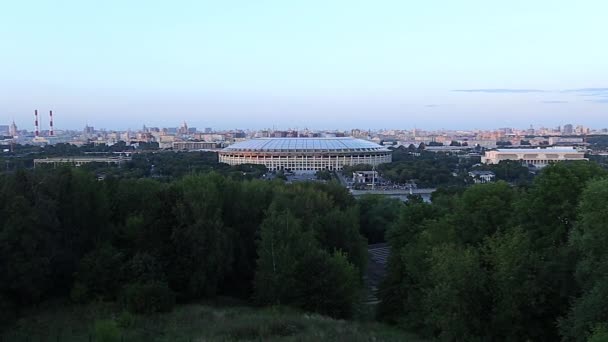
point(317, 64)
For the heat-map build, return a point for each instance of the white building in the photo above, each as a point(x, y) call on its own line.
point(539, 157)
point(365, 177)
point(195, 145)
point(566, 141)
point(480, 177)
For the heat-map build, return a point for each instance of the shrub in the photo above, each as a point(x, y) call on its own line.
point(97, 272)
point(326, 283)
point(106, 331)
point(143, 268)
point(262, 329)
point(7, 310)
point(600, 334)
point(79, 293)
point(125, 320)
point(148, 297)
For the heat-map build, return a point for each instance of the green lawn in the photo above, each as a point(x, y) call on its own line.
point(194, 322)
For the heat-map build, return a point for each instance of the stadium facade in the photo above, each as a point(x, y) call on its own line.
point(305, 154)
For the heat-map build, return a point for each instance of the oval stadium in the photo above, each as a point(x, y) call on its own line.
point(305, 154)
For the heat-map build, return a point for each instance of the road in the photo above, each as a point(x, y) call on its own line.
point(376, 270)
point(394, 192)
point(401, 195)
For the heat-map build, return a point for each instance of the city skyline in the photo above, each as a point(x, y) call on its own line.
point(325, 65)
point(41, 129)
point(43, 121)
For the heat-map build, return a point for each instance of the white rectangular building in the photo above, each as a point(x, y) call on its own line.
point(539, 157)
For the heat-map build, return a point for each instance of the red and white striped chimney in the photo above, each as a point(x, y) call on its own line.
point(36, 122)
point(51, 123)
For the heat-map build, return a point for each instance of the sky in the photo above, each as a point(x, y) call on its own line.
point(318, 64)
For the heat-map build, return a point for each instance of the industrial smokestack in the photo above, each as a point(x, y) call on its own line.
point(51, 123)
point(36, 123)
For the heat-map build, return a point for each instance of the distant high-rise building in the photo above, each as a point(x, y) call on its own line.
point(208, 130)
point(183, 129)
point(4, 130)
point(530, 131)
point(13, 130)
point(568, 129)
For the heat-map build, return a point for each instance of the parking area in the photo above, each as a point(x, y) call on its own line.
point(301, 176)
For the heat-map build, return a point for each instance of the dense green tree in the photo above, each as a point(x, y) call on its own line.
point(25, 272)
point(597, 142)
point(481, 210)
point(511, 266)
point(600, 334)
point(548, 212)
point(587, 312)
point(512, 171)
point(332, 230)
point(148, 297)
point(244, 211)
point(376, 214)
point(323, 175)
point(487, 262)
point(549, 209)
point(326, 283)
point(283, 244)
point(294, 270)
point(455, 302)
point(500, 257)
point(590, 238)
point(99, 275)
point(63, 230)
point(319, 208)
point(81, 213)
point(202, 253)
point(401, 291)
point(427, 169)
point(144, 268)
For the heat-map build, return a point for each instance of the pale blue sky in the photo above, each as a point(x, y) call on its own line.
point(317, 64)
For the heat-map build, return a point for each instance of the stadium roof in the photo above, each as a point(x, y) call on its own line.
point(305, 145)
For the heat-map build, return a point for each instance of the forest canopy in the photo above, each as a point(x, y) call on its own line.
point(491, 261)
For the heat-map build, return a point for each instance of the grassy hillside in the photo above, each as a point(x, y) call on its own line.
point(105, 322)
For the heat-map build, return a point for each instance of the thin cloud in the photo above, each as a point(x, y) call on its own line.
point(554, 101)
point(588, 90)
point(595, 94)
point(601, 94)
point(500, 91)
